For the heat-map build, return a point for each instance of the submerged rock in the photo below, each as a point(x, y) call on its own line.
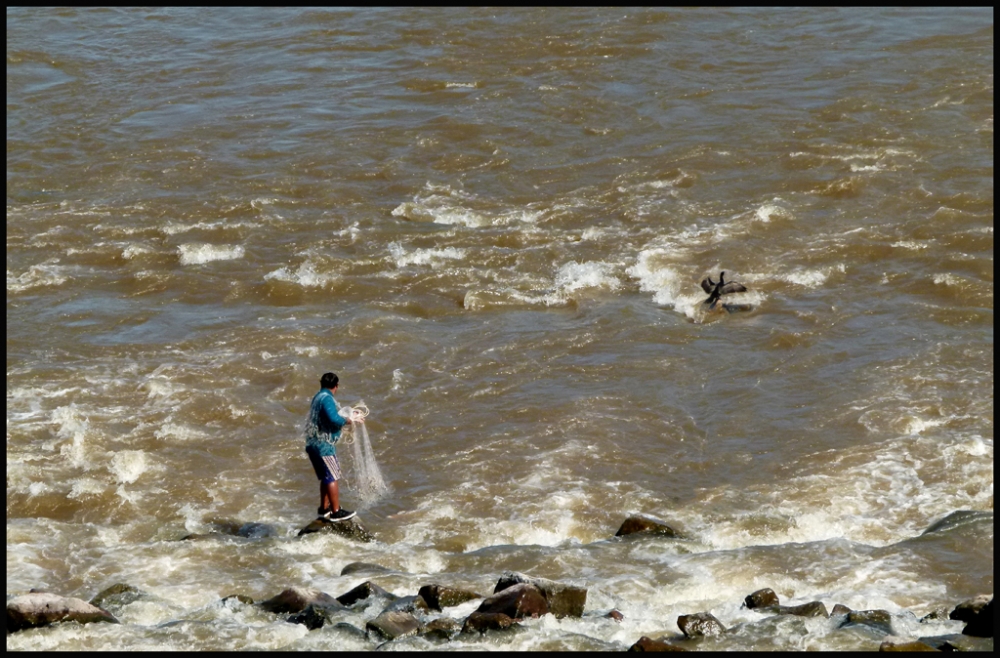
point(315, 616)
point(297, 599)
point(116, 597)
point(563, 600)
point(392, 625)
point(439, 597)
point(762, 598)
point(412, 604)
point(363, 567)
point(880, 620)
point(811, 609)
point(958, 642)
point(443, 628)
point(517, 601)
point(700, 624)
point(41, 609)
point(351, 528)
point(254, 530)
point(638, 523)
point(895, 643)
point(363, 591)
point(645, 643)
point(955, 519)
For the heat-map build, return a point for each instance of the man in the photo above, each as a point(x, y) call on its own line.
point(322, 433)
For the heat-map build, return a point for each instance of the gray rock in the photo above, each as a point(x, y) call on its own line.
point(363, 567)
point(638, 523)
point(393, 625)
point(41, 609)
point(351, 528)
point(411, 604)
point(762, 598)
point(645, 643)
point(700, 624)
point(439, 597)
point(811, 609)
point(840, 609)
point(297, 599)
point(363, 591)
point(564, 600)
point(517, 601)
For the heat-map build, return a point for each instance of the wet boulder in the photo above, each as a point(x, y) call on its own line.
point(439, 597)
point(616, 615)
point(563, 600)
point(41, 609)
point(762, 598)
point(297, 599)
point(254, 530)
point(443, 628)
point(314, 616)
point(364, 567)
point(412, 604)
point(641, 524)
point(700, 624)
point(365, 590)
point(880, 620)
point(392, 625)
point(981, 623)
point(811, 609)
point(517, 602)
point(895, 643)
point(481, 622)
point(958, 642)
point(350, 528)
point(646, 643)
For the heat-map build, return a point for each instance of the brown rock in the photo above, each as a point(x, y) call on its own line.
point(616, 615)
point(480, 622)
point(297, 599)
point(439, 597)
point(840, 609)
point(645, 643)
point(762, 598)
point(363, 567)
point(116, 597)
point(700, 624)
point(363, 591)
point(878, 619)
point(638, 523)
point(811, 609)
point(392, 625)
point(414, 604)
point(894, 643)
point(518, 601)
point(443, 628)
point(564, 600)
point(41, 609)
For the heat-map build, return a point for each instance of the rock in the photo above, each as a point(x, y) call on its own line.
point(116, 597)
point(638, 523)
point(312, 617)
point(958, 642)
point(981, 625)
point(443, 628)
point(255, 530)
point(840, 609)
point(811, 609)
point(564, 600)
point(297, 599)
point(412, 604)
point(393, 625)
point(236, 600)
point(895, 643)
point(958, 518)
point(880, 620)
point(480, 622)
point(616, 615)
point(967, 610)
point(351, 528)
point(517, 601)
point(363, 567)
point(762, 598)
point(937, 614)
point(41, 609)
point(700, 624)
point(365, 590)
point(439, 597)
point(645, 643)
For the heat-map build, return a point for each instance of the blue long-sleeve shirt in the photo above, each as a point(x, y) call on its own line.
point(324, 423)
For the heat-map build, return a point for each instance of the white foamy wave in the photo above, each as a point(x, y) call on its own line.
point(431, 210)
point(133, 250)
point(431, 257)
point(947, 279)
point(575, 276)
point(49, 273)
point(771, 211)
point(84, 487)
point(198, 254)
point(468, 85)
point(811, 278)
point(656, 274)
point(306, 276)
point(128, 465)
point(179, 432)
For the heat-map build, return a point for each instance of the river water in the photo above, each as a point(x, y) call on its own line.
point(492, 225)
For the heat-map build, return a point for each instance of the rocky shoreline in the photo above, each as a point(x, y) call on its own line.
point(515, 598)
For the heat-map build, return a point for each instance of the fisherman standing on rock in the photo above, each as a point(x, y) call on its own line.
point(322, 431)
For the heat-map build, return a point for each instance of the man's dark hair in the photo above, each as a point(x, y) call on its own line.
point(329, 380)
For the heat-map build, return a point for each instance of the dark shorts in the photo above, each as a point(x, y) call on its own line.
point(327, 468)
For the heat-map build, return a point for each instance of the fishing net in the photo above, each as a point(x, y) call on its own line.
point(368, 483)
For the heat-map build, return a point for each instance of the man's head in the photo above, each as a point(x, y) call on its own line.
point(329, 380)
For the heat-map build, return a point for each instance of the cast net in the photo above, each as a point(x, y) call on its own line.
point(368, 483)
